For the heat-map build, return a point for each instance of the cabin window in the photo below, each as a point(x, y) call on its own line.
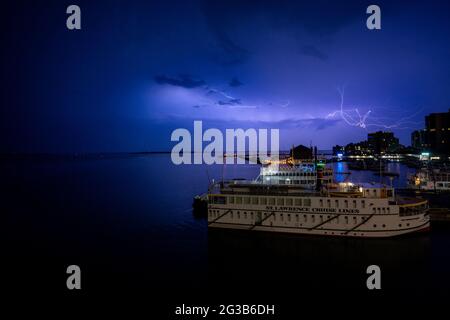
point(336, 203)
point(231, 199)
point(289, 218)
point(305, 217)
point(289, 201)
point(346, 203)
point(329, 203)
point(354, 204)
point(246, 200)
point(388, 210)
point(263, 201)
point(281, 217)
point(271, 201)
point(298, 202)
point(238, 215)
point(374, 210)
point(313, 218)
point(219, 199)
point(363, 204)
point(254, 200)
point(307, 202)
point(245, 215)
point(280, 201)
point(296, 218)
point(346, 220)
point(384, 210)
point(251, 215)
point(321, 203)
point(238, 200)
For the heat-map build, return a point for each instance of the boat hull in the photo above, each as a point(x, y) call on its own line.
point(425, 227)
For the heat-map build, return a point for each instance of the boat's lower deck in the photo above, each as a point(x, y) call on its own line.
point(353, 225)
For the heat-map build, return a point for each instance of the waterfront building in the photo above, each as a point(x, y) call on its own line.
point(381, 142)
point(437, 133)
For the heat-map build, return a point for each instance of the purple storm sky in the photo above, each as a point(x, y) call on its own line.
point(138, 70)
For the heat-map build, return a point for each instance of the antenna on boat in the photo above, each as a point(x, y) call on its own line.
point(381, 177)
point(209, 179)
point(223, 171)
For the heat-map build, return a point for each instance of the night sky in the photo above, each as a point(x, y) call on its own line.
point(137, 70)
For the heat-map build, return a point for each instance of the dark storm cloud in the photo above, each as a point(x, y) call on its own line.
point(231, 102)
point(235, 82)
point(319, 18)
point(218, 16)
point(313, 52)
point(231, 53)
point(185, 81)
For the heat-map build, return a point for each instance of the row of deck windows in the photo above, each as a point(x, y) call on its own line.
point(300, 202)
point(270, 201)
point(294, 174)
point(346, 203)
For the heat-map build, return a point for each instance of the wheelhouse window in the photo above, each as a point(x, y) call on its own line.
point(218, 199)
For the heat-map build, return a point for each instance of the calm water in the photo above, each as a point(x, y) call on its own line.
point(127, 221)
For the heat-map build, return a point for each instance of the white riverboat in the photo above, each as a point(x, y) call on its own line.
point(345, 209)
point(431, 180)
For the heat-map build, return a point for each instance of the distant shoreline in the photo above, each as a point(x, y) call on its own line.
point(50, 155)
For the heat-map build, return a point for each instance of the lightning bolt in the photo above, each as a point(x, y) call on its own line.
point(355, 119)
